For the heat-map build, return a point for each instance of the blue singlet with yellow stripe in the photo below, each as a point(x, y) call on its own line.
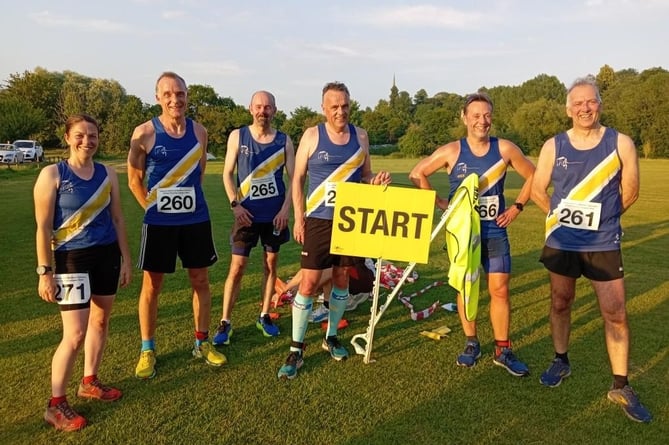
point(172, 164)
point(82, 216)
point(585, 182)
point(328, 164)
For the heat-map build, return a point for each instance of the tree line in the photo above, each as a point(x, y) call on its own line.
point(35, 104)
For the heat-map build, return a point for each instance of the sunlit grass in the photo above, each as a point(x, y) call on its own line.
point(412, 393)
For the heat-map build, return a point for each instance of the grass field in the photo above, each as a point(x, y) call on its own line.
point(413, 393)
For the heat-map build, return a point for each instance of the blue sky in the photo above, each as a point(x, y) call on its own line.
point(292, 48)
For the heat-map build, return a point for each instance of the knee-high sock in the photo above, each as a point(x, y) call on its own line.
point(338, 300)
point(301, 309)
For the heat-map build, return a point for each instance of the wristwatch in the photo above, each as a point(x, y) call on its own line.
point(43, 270)
point(519, 206)
point(233, 204)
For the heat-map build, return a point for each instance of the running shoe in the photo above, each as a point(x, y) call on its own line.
point(210, 355)
point(336, 350)
point(628, 399)
point(146, 367)
point(223, 333)
point(289, 369)
point(355, 300)
point(319, 314)
point(554, 375)
point(63, 417)
point(96, 390)
point(508, 360)
point(267, 326)
point(470, 355)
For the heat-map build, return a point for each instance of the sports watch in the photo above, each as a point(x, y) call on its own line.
point(43, 270)
point(233, 204)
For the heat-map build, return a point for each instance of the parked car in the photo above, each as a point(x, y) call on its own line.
point(9, 154)
point(32, 150)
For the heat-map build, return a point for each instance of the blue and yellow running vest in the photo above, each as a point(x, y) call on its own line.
point(491, 171)
point(329, 164)
point(586, 204)
point(174, 163)
point(83, 215)
point(260, 186)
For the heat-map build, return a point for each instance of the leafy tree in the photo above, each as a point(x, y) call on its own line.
point(536, 122)
point(40, 89)
point(605, 78)
point(420, 97)
point(19, 119)
point(300, 119)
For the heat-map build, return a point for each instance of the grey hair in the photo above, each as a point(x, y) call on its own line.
point(270, 95)
point(170, 75)
point(588, 80)
point(335, 86)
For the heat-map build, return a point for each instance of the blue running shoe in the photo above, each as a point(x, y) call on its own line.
point(627, 398)
point(289, 369)
point(336, 350)
point(554, 375)
point(223, 334)
point(507, 359)
point(268, 328)
point(470, 355)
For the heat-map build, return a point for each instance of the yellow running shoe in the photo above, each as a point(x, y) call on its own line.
point(146, 367)
point(210, 354)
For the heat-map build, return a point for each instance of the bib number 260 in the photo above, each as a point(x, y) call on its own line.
point(176, 200)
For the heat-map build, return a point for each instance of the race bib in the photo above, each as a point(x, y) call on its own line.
point(579, 214)
point(176, 200)
point(330, 193)
point(72, 288)
point(488, 207)
point(262, 188)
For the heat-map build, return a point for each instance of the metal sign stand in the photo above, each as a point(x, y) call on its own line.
point(376, 310)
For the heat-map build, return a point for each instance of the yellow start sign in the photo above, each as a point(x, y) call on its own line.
point(392, 223)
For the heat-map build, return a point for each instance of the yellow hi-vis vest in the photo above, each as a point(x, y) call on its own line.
point(463, 243)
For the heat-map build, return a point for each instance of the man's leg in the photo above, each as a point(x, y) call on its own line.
point(563, 291)
point(611, 297)
point(199, 280)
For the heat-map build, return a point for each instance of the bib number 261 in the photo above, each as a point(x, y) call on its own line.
point(579, 214)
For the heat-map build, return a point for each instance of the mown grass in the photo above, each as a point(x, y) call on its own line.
point(413, 392)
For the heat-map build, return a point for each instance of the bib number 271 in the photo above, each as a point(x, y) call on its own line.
point(72, 288)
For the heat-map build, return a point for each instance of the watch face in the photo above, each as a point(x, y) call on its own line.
point(42, 270)
point(233, 204)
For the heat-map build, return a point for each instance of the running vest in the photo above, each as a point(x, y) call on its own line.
point(491, 170)
point(260, 186)
point(82, 217)
point(329, 164)
point(175, 194)
point(585, 205)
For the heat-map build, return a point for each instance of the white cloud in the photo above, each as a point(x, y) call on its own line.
point(46, 18)
point(426, 15)
point(174, 14)
point(226, 68)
